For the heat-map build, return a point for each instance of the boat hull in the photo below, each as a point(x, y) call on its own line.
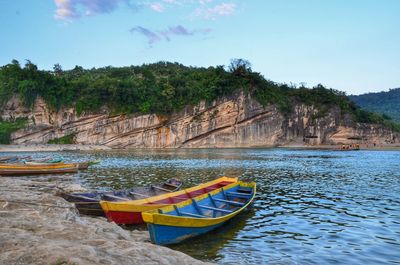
point(37, 171)
point(84, 205)
point(168, 235)
point(129, 217)
point(132, 218)
point(92, 208)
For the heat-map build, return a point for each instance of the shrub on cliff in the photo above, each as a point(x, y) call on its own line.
point(161, 88)
point(8, 127)
point(67, 139)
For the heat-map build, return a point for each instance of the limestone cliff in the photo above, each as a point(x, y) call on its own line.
point(235, 121)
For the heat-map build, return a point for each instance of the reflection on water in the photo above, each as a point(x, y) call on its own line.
point(312, 207)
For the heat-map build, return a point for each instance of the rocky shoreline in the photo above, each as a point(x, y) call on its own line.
point(38, 227)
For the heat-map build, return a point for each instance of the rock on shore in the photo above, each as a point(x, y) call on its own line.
point(38, 227)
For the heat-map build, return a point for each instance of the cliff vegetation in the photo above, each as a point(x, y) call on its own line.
point(163, 88)
point(8, 127)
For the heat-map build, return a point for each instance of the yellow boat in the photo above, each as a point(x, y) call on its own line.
point(23, 169)
point(130, 212)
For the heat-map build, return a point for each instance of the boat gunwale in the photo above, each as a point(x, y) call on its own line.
point(27, 167)
point(37, 171)
point(85, 195)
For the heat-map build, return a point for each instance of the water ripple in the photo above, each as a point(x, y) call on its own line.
point(312, 207)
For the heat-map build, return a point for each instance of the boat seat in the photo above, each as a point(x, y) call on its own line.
point(180, 213)
point(212, 200)
point(243, 190)
point(138, 194)
point(171, 185)
point(216, 209)
point(196, 206)
point(238, 194)
point(115, 197)
point(230, 202)
point(214, 204)
point(193, 215)
point(159, 188)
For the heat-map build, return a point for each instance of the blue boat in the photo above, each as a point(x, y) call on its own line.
point(193, 217)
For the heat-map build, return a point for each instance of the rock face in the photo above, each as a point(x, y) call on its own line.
point(235, 121)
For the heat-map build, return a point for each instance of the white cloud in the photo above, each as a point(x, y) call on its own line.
point(224, 9)
point(204, 2)
point(72, 9)
point(207, 9)
point(154, 36)
point(158, 7)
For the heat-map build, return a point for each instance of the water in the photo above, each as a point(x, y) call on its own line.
point(312, 206)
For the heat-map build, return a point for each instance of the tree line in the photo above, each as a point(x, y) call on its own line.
point(162, 88)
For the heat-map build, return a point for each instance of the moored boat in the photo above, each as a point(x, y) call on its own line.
point(130, 212)
point(22, 169)
point(4, 159)
point(13, 159)
point(88, 202)
point(80, 165)
point(44, 161)
point(175, 223)
point(31, 163)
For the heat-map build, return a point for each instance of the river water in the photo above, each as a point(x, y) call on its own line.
point(312, 206)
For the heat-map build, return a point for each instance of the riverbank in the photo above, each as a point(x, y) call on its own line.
point(38, 227)
point(80, 147)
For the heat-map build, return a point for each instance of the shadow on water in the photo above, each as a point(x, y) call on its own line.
point(215, 240)
point(312, 206)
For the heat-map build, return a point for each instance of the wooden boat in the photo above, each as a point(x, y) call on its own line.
point(88, 203)
point(4, 159)
point(130, 212)
point(175, 223)
point(81, 165)
point(13, 159)
point(22, 169)
point(31, 163)
point(46, 160)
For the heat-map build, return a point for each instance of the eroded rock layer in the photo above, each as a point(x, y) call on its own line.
point(235, 121)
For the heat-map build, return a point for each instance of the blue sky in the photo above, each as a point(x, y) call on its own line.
point(350, 45)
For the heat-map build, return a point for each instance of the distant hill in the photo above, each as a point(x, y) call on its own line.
point(387, 103)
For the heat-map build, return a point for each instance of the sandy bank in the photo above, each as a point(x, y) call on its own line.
point(37, 227)
point(51, 147)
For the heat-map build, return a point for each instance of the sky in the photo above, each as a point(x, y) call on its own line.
point(349, 45)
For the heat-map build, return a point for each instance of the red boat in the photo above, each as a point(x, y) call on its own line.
point(130, 212)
